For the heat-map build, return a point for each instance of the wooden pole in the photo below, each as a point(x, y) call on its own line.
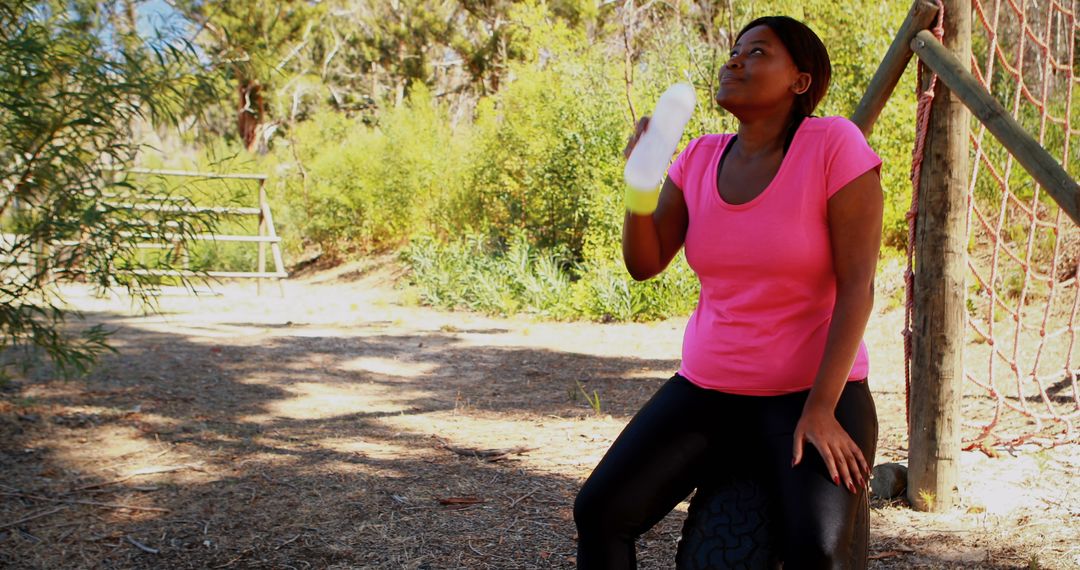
point(183, 209)
point(189, 174)
point(271, 232)
point(205, 274)
point(262, 233)
point(892, 66)
point(1028, 152)
point(937, 361)
point(38, 253)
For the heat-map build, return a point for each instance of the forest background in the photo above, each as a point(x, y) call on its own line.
point(481, 140)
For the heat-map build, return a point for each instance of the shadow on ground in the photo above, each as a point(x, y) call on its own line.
point(273, 477)
point(304, 450)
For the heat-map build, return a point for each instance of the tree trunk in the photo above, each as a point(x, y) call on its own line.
point(250, 112)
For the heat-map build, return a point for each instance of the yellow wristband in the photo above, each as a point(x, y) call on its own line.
point(641, 203)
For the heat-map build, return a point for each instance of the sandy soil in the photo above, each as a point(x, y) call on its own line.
point(336, 427)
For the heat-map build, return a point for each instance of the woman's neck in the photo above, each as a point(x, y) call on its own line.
point(763, 135)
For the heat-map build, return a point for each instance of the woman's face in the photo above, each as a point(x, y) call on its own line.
point(759, 74)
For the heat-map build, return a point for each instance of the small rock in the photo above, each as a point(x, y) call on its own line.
point(888, 481)
point(32, 418)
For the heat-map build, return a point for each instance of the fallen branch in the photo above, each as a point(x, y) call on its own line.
point(32, 517)
point(899, 550)
point(506, 453)
point(278, 547)
point(514, 502)
point(146, 471)
point(141, 546)
point(91, 503)
point(28, 535)
point(128, 462)
point(490, 455)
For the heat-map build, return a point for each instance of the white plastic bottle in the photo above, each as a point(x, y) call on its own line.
point(648, 162)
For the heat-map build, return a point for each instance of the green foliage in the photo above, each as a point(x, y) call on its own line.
point(67, 106)
point(545, 151)
point(479, 274)
point(605, 292)
point(538, 166)
point(346, 185)
point(485, 137)
point(593, 400)
point(482, 139)
point(476, 274)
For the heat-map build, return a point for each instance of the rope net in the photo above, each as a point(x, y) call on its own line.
point(1021, 356)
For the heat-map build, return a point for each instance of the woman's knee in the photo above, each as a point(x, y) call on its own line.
point(593, 506)
point(597, 509)
point(814, 547)
point(587, 507)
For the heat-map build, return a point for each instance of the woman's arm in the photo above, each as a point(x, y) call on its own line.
point(650, 241)
point(855, 213)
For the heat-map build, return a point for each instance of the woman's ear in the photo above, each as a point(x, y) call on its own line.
point(802, 83)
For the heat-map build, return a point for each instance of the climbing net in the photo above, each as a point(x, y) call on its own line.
point(1021, 356)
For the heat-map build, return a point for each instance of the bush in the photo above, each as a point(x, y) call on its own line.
point(346, 184)
point(477, 274)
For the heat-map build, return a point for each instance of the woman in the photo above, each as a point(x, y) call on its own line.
point(782, 224)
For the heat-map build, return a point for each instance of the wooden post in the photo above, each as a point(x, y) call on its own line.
point(262, 232)
point(185, 257)
point(892, 66)
point(38, 261)
point(940, 269)
point(271, 233)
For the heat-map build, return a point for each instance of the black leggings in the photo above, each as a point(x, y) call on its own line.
point(685, 435)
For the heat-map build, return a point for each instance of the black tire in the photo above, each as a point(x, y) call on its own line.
point(728, 527)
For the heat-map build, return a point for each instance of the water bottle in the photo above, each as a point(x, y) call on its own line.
point(648, 162)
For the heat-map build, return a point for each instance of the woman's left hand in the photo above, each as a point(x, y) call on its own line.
point(842, 457)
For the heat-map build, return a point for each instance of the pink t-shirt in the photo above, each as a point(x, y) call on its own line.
point(767, 280)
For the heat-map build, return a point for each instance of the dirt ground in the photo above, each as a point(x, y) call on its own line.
point(339, 427)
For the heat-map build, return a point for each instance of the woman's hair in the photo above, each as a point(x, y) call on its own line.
point(808, 53)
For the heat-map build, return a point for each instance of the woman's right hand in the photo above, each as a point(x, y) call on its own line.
point(641, 126)
point(650, 242)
